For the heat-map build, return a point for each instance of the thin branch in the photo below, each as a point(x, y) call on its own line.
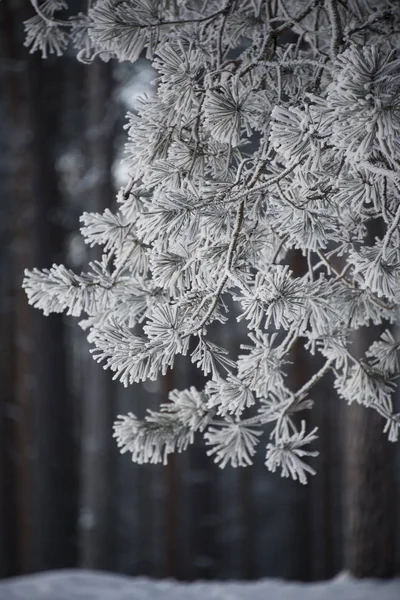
point(303, 391)
point(228, 265)
point(390, 232)
point(336, 26)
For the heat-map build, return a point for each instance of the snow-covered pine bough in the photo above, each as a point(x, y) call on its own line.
point(273, 126)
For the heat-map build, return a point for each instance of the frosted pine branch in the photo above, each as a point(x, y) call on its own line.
point(249, 147)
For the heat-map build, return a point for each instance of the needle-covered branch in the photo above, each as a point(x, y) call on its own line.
point(248, 149)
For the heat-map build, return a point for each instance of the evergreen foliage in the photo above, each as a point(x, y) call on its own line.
point(251, 146)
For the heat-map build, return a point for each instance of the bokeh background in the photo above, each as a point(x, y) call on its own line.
point(67, 497)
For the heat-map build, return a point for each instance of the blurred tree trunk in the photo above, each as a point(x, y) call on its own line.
point(57, 445)
point(153, 503)
point(248, 526)
point(7, 514)
point(20, 399)
point(369, 510)
point(203, 499)
point(299, 374)
point(325, 485)
point(97, 411)
point(43, 477)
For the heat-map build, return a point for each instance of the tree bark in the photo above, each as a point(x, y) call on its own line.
point(369, 500)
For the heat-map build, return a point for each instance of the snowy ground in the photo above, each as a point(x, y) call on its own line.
point(89, 585)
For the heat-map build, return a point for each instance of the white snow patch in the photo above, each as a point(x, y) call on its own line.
point(91, 585)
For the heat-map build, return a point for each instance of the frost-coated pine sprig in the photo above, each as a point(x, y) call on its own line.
point(251, 145)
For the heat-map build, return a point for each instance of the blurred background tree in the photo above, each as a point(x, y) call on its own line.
point(67, 499)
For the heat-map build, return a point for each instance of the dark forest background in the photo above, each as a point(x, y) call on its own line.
point(67, 497)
